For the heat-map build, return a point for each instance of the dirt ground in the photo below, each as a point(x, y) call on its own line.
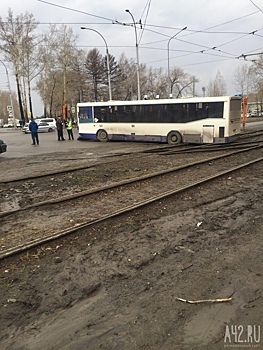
point(116, 286)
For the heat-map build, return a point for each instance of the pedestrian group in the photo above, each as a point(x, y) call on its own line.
point(33, 127)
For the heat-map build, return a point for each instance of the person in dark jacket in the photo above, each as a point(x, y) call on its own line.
point(33, 127)
point(59, 126)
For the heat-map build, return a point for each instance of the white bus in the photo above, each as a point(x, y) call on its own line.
point(192, 120)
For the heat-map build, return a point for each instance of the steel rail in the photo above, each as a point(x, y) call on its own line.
point(21, 248)
point(180, 148)
point(217, 148)
point(79, 167)
point(122, 183)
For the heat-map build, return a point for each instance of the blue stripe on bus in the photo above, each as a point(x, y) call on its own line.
point(86, 136)
point(125, 137)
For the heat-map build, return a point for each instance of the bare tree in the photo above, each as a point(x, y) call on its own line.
point(255, 75)
point(241, 79)
point(65, 56)
point(48, 61)
point(16, 35)
point(182, 83)
point(128, 88)
point(217, 87)
point(31, 67)
point(57, 82)
point(176, 76)
point(258, 66)
point(156, 83)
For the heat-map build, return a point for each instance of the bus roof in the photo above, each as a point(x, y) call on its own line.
point(160, 101)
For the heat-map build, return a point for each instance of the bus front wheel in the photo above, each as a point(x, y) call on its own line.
point(102, 135)
point(174, 137)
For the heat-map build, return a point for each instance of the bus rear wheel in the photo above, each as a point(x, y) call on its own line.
point(174, 137)
point(102, 136)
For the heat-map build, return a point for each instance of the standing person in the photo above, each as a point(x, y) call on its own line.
point(59, 126)
point(69, 129)
point(33, 127)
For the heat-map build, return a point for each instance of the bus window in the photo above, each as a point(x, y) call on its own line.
point(85, 115)
point(180, 113)
point(100, 114)
point(215, 110)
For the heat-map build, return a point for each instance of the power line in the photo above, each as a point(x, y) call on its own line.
point(256, 6)
point(143, 26)
point(70, 9)
point(215, 26)
point(146, 27)
point(192, 32)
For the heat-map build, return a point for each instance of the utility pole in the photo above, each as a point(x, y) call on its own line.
point(137, 57)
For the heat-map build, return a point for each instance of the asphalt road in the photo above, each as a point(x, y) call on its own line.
point(19, 143)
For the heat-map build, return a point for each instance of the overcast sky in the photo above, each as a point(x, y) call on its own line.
point(218, 32)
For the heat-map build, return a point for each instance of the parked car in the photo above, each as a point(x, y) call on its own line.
point(254, 114)
point(8, 125)
point(50, 121)
point(25, 127)
point(3, 146)
point(42, 127)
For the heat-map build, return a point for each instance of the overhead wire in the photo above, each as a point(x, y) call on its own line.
point(148, 4)
point(216, 48)
point(215, 26)
point(205, 48)
point(205, 31)
point(143, 27)
point(74, 10)
point(256, 6)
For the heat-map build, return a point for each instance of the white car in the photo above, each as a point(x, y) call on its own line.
point(8, 125)
point(42, 127)
point(25, 127)
point(50, 121)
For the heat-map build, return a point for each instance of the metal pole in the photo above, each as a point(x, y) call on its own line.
point(169, 79)
point(10, 93)
point(107, 56)
point(137, 56)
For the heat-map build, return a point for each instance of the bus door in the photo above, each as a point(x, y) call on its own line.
point(208, 133)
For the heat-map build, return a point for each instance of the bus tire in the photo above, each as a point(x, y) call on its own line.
point(174, 137)
point(102, 135)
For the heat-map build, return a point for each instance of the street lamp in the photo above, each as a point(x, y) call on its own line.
point(9, 89)
point(169, 79)
point(107, 55)
point(137, 55)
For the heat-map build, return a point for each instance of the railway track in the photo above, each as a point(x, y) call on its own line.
point(62, 216)
point(254, 137)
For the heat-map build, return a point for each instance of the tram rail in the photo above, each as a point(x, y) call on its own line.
point(112, 200)
point(160, 150)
